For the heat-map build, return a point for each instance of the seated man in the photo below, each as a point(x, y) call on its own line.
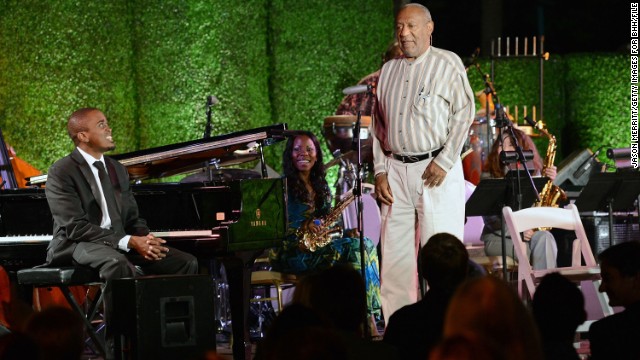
point(95, 215)
point(616, 336)
point(415, 329)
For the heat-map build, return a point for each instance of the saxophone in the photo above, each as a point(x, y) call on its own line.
point(314, 241)
point(550, 194)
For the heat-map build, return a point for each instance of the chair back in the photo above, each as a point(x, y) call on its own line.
point(588, 275)
point(536, 217)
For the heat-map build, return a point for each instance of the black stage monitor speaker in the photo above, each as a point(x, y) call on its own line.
point(577, 168)
point(163, 317)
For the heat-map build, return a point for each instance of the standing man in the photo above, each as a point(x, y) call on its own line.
point(424, 110)
point(616, 336)
point(95, 215)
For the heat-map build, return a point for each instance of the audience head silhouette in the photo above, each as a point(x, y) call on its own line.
point(558, 307)
point(465, 347)
point(620, 267)
point(18, 346)
point(59, 333)
point(299, 333)
point(338, 295)
point(444, 261)
point(488, 308)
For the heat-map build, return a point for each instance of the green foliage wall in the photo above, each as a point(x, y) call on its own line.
point(517, 83)
point(598, 101)
point(319, 49)
point(151, 65)
point(586, 97)
point(56, 57)
point(187, 50)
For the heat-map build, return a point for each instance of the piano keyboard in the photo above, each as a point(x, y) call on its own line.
point(26, 239)
point(186, 234)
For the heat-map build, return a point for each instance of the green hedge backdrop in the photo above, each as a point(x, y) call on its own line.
point(151, 64)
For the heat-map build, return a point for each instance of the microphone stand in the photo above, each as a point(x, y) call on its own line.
point(488, 89)
point(503, 122)
point(211, 100)
point(357, 192)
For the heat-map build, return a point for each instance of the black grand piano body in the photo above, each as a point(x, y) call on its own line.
point(233, 221)
point(208, 220)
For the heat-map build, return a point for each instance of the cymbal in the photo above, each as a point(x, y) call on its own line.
point(349, 153)
point(221, 175)
point(336, 161)
point(346, 120)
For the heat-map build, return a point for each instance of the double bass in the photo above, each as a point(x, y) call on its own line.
point(14, 172)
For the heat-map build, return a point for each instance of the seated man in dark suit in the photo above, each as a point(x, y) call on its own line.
point(415, 329)
point(616, 336)
point(95, 215)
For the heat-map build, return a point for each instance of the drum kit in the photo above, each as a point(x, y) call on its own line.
point(338, 132)
point(476, 149)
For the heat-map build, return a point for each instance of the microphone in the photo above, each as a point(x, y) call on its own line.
point(356, 133)
point(212, 100)
point(468, 62)
point(620, 153)
point(530, 121)
point(586, 165)
point(510, 157)
point(358, 89)
point(501, 119)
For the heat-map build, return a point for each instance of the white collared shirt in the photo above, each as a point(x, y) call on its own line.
point(426, 104)
point(105, 223)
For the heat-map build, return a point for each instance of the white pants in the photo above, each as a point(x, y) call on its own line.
point(438, 209)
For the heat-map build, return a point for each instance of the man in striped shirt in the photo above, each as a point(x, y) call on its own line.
point(424, 110)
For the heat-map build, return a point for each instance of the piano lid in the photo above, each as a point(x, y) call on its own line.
point(225, 150)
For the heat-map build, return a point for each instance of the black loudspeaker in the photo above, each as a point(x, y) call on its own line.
point(163, 317)
point(625, 228)
point(579, 164)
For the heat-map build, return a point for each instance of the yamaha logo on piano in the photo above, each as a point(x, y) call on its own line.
point(257, 221)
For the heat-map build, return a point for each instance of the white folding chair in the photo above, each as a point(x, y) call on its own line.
point(569, 219)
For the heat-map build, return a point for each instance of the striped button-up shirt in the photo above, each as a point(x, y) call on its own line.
point(422, 106)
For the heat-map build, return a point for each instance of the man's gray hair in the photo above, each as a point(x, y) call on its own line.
point(427, 13)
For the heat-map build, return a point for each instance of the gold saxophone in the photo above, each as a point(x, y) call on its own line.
point(314, 241)
point(550, 194)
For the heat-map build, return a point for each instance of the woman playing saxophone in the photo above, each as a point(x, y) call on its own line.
point(542, 246)
point(309, 202)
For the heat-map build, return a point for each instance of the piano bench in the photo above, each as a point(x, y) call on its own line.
point(63, 278)
point(267, 279)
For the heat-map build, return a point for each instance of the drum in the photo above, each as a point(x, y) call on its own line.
point(338, 131)
point(475, 150)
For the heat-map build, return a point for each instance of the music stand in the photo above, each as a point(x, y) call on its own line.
point(491, 195)
point(609, 192)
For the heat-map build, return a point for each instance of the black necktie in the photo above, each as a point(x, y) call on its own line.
point(107, 190)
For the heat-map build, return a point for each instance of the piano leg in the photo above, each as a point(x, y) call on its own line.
point(238, 270)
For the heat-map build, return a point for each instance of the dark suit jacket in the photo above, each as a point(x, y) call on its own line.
point(416, 328)
point(74, 199)
point(617, 336)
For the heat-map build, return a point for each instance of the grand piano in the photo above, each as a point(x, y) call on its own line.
point(227, 214)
